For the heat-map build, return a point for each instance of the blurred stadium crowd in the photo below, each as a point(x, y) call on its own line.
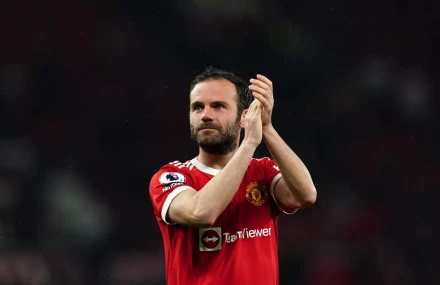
point(94, 99)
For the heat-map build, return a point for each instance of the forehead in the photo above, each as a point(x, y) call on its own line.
point(214, 90)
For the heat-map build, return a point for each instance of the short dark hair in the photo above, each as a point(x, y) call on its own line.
point(244, 95)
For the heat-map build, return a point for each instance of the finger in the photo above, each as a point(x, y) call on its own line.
point(252, 107)
point(263, 101)
point(265, 92)
point(259, 83)
point(265, 80)
point(254, 104)
point(260, 107)
point(257, 108)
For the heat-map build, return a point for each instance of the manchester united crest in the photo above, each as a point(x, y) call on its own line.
point(256, 194)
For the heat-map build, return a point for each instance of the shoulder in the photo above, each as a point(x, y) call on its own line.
point(184, 167)
point(171, 175)
point(264, 163)
point(261, 159)
point(260, 162)
point(173, 172)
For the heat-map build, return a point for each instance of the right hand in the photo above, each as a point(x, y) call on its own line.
point(253, 125)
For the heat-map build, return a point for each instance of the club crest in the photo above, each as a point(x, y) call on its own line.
point(256, 194)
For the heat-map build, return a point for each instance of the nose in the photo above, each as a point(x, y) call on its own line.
point(207, 114)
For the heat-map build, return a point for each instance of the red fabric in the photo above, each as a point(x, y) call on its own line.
point(240, 248)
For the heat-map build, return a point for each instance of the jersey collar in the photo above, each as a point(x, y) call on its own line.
point(200, 166)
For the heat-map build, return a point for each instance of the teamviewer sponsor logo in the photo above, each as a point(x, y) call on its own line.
point(246, 234)
point(210, 239)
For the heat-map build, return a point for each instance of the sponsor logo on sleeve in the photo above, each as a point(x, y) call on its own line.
point(171, 177)
point(256, 194)
point(170, 186)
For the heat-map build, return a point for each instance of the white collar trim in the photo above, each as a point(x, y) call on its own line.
point(200, 166)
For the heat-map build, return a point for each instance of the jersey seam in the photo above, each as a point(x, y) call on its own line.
point(272, 187)
point(168, 201)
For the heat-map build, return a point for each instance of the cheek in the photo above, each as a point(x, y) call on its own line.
point(192, 120)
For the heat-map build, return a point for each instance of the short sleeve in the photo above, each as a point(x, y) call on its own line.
point(165, 185)
point(273, 174)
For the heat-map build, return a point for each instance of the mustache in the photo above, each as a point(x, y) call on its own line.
point(208, 126)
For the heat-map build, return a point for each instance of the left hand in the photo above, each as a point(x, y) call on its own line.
point(262, 90)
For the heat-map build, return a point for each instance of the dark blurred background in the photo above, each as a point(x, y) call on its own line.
point(94, 100)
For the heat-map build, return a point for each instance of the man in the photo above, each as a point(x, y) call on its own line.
point(218, 213)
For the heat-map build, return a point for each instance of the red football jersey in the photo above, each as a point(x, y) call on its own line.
point(241, 247)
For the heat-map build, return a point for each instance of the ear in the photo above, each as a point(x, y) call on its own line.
point(243, 115)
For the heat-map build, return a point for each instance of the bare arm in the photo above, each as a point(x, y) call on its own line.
point(295, 189)
point(202, 208)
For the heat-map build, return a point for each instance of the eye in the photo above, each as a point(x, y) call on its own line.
point(197, 107)
point(219, 106)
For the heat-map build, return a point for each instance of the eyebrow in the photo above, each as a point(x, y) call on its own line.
point(195, 103)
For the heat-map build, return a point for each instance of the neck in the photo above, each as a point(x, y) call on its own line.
point(215, 161)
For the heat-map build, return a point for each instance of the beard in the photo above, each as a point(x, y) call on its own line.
point(217, 141)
